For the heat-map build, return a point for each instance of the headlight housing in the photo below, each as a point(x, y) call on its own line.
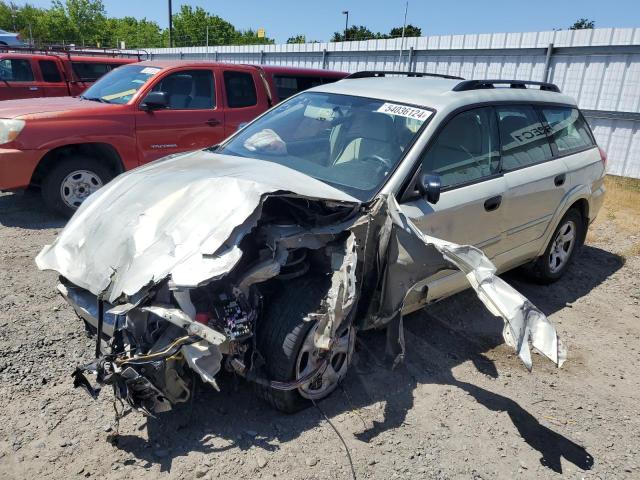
point(10, 129)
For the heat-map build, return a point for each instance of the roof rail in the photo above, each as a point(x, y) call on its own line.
point(481, 84)
point(70, 50)
point(384, 73)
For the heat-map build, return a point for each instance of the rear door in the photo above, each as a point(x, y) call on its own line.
point(193, 119)
point(535, 181)
point(244, 96)
point(53, 80)
point(465, 153)
point(17, 79)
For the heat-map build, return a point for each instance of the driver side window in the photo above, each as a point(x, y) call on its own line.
point(188, 90)
point(466, 149)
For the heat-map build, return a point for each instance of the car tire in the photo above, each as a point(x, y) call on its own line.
point(70, 181)
point(284, 331)
point(561, 250)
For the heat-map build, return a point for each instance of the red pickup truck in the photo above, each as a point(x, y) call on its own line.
point(29, 75)
point(71, 146)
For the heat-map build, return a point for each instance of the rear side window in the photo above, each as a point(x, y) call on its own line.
point(90, 71)
point(568, 128)
point(50, 72)
point(522, 136)
point(16, 70)
point(466, 149)
point(287, 85)
point(188, 90)
point(241, 90)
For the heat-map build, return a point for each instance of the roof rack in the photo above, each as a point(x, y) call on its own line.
point(384, 73)
point(481, 84)
point(70, 50)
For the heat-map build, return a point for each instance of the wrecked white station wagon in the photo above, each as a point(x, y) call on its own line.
point(332, 213)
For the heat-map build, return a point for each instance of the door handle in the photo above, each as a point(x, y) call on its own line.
point(33, 89)
point(493, 203)
point(212, 122)
point(559, 180)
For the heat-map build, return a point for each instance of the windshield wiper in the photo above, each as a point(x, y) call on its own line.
point(94, 99)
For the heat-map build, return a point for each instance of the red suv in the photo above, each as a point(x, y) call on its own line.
point(70, 147)
point(25, 75)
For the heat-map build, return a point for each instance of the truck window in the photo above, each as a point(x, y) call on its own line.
point(288, 85)
point(90, 71)
point(568, 128)
point(241, 91)
point(16, 70)
point(50, 72)
point(188, 89)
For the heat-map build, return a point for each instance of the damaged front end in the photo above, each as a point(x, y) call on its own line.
point(204, 271)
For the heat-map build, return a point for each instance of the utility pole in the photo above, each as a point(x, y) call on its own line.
point(170, 24)
point(404, 26)
point(346, 23)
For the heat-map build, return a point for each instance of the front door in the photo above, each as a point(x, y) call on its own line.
point(17, 79)
point(465, 154)
point(191, 121)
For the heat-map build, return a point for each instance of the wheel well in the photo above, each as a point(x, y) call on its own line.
point(582, 206)
point(101, 151)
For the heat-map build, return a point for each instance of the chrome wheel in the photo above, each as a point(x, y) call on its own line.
point(337, 361)
point(562, 246)
point(77, 186)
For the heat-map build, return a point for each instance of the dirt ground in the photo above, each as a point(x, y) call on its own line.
point(462, 405)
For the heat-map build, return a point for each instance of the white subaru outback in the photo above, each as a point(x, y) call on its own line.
point(338, 210)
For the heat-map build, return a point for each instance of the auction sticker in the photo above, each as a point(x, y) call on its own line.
point(150, 70)
point(405, 111)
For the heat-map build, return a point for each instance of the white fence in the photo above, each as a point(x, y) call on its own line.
point(599, 67)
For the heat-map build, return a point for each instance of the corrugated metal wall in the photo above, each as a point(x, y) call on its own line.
point(599, 67)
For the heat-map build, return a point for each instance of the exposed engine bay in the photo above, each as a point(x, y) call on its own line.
point(271, 285)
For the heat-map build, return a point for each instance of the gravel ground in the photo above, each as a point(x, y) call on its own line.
point(462, 405)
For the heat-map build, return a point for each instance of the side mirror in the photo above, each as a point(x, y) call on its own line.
point(155, 101)
point(429, 187)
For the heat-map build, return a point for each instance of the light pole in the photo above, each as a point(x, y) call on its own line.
point(404, 26)
point(170, 24)
point(346, 23)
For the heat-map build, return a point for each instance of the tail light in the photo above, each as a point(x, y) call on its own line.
point(603, 156)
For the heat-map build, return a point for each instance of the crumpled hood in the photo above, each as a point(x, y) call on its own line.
point(169, 217)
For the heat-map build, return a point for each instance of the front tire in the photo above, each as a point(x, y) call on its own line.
point(71, 181)
point(561, 250)
point(285, 340)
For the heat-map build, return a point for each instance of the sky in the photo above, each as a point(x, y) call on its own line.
point(319, 19)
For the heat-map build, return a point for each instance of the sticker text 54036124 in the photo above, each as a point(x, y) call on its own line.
point(405, 111)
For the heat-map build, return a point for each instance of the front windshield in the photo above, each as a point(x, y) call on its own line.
point(351, 143)
point(119, 85)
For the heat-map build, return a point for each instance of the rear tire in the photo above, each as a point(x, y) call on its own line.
point(71, 181)
point(561, 250)
point(283, 339)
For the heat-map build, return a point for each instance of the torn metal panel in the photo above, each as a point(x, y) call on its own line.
point(523, 321)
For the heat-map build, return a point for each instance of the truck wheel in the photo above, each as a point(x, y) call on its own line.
point(285, 340)
point(561, 250)
point(71, 181)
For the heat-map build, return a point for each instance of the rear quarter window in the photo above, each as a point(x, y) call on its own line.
point(16, 70)
point(49, 70)
point(288, 85)
point(90, 71)
point(241, 89)
point(568, 128)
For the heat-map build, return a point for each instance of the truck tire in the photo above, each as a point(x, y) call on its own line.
point(561, 250)
point(70, 181)
point(283, 339)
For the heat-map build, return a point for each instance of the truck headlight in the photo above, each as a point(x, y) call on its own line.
point(10, 129)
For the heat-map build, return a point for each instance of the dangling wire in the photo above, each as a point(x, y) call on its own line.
point(353, 471)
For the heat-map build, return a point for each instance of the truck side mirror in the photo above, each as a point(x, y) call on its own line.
point(155, 101)
point(429, 186)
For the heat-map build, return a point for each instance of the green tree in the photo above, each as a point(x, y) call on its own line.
point(583, 23)
point(356, 32)
point(86, 17)
point(300, 38)
point(190, 28)
point(409, 31)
